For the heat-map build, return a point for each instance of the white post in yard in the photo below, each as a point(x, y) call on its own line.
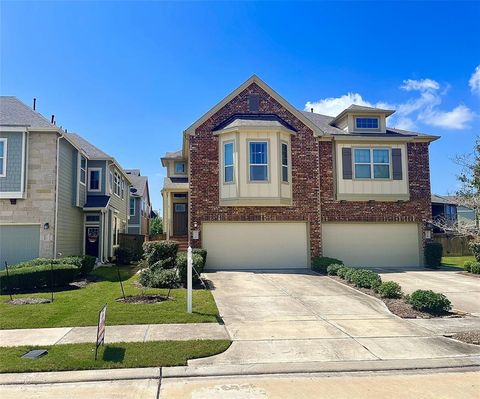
point(189, 279)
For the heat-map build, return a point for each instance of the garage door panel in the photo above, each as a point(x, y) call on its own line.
point(255, 245)
point(18, 243)
point(372, 244)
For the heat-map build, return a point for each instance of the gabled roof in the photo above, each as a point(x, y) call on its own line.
point(13, 112)
point(363, 110)
point(139, 183)
point(88, 148)
point(253, 79)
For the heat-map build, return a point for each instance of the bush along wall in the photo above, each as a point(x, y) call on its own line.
point(433, 254)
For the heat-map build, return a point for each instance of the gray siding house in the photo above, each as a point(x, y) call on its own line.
point(140, 206)
point(59, 194)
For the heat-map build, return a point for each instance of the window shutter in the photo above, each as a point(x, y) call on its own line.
point(347, 163)
point(397, 164)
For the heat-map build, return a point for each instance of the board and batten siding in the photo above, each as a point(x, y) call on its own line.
point(12, 182)
point(70, 217)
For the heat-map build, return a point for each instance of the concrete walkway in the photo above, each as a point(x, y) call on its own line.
point(303, 318)
point(121, 333)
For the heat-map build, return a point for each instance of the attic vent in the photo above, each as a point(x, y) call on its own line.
point(253, 103)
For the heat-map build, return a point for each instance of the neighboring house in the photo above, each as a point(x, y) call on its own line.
point(465, 215)
point(260, 184)
point(59, 194)
point(444, 212)
point(140, 205)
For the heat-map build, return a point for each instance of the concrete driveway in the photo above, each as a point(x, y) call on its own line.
point(300, 317)
point(462, 290)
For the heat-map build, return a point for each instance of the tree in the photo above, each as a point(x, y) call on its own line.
point(156, 226)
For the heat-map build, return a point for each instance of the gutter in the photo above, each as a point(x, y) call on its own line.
point(56, 199)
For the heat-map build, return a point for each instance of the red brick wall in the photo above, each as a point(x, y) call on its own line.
point(204, 172)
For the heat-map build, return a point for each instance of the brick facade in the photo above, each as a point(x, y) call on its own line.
point(204, 172)
point(313, 177)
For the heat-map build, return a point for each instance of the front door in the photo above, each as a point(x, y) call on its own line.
point(92, 241)
point(180, 219)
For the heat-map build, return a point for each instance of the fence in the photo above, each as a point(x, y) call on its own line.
point(131, 242)
point(157, 237)
point(453, 245)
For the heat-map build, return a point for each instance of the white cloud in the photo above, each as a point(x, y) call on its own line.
point(474, 81)
point(423, 107)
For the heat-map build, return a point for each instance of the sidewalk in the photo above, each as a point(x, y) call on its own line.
point(119, 333)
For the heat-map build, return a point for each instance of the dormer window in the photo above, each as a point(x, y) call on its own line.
point(366, 123)
point(180, 168)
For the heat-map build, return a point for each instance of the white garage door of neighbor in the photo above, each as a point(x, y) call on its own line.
point(255, 245)
point(18, 243)
point(372, 244)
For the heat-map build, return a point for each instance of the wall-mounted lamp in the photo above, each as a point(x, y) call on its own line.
point(46, 226)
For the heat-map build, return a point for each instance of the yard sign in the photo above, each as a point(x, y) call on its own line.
point(101, 328)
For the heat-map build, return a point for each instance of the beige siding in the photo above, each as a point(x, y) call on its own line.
point(373, 244)
point(255, 245)
point(70, 217)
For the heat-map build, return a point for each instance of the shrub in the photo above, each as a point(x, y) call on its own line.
point(349, 274)
point(320, 263)
point(389, 289)
point(181, 264)
point(202, 253)
point(159, 278)
point(332, 270)
point(365, 278)
point(123, 256)
point(39, 276)
point(342, 272)
point(429, 301)
point(433, 254)
point(154, 251)
point(467, 265)
point(163, 264)
point(84, 263)
point(475, 248)
point(475, 269)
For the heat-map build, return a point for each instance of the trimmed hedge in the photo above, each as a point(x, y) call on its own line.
point(343, 271)
point(84, 263)
point(429, 301)
point(123, 256)
point(159, 278)
point(332, 270)
point(363, 278)
point(475, 248)
point(155, 251)
point(467, 265)
point(433, 254)
point(389, 289)
point(321, 263)
point(181, 263)
point(202, 253)
point(475, 269)
point(35, 277)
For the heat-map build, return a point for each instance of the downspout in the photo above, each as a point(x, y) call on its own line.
point(56, 199)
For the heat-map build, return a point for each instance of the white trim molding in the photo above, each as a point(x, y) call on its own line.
point(3, 156)
point(96, 190)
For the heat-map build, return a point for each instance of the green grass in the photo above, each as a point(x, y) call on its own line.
point(112, 356)
point(80, 307)
point(456, 261)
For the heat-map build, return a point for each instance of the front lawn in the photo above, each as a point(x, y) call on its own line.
point(112, 356)
point(456, 261)
point(79, 307)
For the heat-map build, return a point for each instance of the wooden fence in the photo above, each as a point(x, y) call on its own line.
point(157, 237)
point(131, 242)
point(453, 245)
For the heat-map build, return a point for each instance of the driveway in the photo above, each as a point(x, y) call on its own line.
point(300, 317)
point(462, 290)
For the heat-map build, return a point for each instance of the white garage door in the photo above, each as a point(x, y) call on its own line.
point(18, 243)
point(255, 245)
point(372, 244)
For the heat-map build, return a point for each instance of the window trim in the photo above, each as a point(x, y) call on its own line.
point(110, 182)
point(4, 156)
point(84, 183)
point(96, 190)
point(282, 165)
point(184, 167)
point(259, 141)
point(224, 144)
point(130, 206)
point(367, 128)
point(372, 164)
point(116, 183)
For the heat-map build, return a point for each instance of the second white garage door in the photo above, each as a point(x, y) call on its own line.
point(372, 244)
point(255, 245)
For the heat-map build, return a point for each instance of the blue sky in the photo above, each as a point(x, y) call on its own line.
point(131, 76)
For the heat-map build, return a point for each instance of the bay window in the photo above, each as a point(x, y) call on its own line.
point(228, 168)
point(284, 156)
point(258, 161)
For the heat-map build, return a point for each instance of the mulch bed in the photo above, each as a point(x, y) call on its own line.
point(28, 301)
point(398, 306)
point(469, 337)
point(142, 299)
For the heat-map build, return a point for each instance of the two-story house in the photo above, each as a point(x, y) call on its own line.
point(140, 207)
point(261, 184)
point(59, 194)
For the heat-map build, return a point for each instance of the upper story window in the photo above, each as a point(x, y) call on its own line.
point(372, 162)
point(3, 157)
point(180, 168)
point(122, 188)
point(366, 123)
point(284, 162)
point(111, 181)
point(83, 169)
point(258, 160)
point(132, 206)
point(94, 179)
point(228, 170)
point(116, 183)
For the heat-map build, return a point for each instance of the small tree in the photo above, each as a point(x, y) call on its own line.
point(156, 226)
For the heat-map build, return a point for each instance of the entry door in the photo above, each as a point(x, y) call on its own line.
point(92, 239)
point(180, 219)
